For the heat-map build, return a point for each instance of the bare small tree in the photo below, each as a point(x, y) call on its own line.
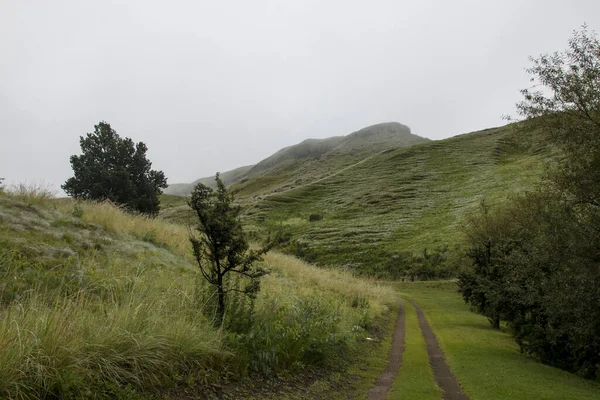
point(221, 247)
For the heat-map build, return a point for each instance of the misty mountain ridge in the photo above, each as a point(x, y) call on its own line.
point(299, 162)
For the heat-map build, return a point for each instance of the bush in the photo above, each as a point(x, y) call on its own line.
point(440, 263)
point(303, 332)
point(535, 266)
point(315, 217)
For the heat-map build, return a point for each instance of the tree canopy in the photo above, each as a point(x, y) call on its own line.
point(536, 260)
point(564, 104)
point(116, 169)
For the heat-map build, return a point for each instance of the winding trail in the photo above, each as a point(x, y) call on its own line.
point(441, 371)
point(387, 377)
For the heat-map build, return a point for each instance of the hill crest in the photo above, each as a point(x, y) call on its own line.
point(299, 162)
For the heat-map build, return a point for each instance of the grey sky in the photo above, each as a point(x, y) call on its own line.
point(213, 85)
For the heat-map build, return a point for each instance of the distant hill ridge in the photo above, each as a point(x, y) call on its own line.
point(298, 163)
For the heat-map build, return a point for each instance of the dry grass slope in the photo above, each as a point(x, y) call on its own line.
point(94, 301)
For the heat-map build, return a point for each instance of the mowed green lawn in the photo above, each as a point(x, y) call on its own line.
point(487, 363)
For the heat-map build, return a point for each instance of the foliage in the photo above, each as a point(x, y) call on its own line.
point(565, 106)
point(305, 332)
point(115, 169)
point(536, 261)
point(536, 267)
point(222, 247)
point(439, 263)
point(91, 308)
point(315, 217)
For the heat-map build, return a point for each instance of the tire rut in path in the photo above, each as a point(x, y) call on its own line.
point(387, 377)
point(441, 371)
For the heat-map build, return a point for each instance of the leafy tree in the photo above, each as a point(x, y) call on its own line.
point(221, 248)
point(536, 260)
point(1, 181)
point(116, 169)
point(484, 284)
point(564, 104)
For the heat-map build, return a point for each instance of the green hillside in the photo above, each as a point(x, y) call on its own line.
point(373, 208)
point(228, 177)
point(404, 199)
point(96, 303)
point(310, 160)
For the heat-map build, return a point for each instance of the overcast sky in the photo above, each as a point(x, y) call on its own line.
point(213, 85)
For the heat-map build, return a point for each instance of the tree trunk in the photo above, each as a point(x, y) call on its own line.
point(221, 306)
point(495, 321)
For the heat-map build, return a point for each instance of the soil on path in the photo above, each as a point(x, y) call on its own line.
point(387, 377)
point(441, 371)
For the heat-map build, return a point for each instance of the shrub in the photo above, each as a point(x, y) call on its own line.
point(535, 266)
point(315, 217)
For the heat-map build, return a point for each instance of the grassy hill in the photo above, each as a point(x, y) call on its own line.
point(401, 200)
point(228, 177)
point(313, 160)
point(309, 160)
point(373, 211)
point(98, 303)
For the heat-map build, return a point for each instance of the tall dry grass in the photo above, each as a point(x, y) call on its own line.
point(132, 315)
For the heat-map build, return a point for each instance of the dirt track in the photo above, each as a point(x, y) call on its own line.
point(441, 371)
point(386, 379)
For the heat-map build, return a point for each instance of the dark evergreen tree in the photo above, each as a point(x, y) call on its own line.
point(116, 169)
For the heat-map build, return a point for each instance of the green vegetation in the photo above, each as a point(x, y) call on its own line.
point(308, 161)
point(222, 250)
point(487, 362)
point(400, 203)
point(535, 260)
point(394, 213)
point(115, 169)
point(309, 384)
point(415, 379)
point(314, 160)
point(97, 302)
point(228, 177)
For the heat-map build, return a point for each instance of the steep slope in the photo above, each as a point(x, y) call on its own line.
point(334, 154)
point(228, 177)
point(404, 199)
point(377, 138)
point(310, 160)
point(308, 149)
